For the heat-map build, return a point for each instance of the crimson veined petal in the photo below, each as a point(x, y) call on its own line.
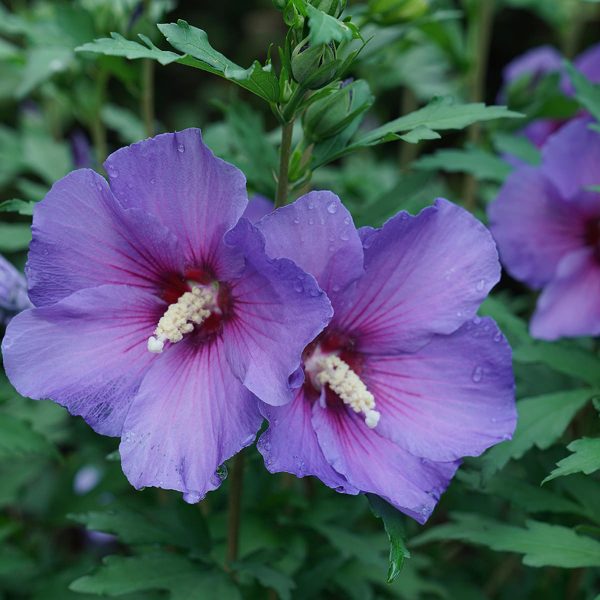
point(189, 416)
point(424, 275)
point(82, 237)
point(175, 177)
point(86, 352)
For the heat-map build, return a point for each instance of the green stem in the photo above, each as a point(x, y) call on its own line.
point(479, 37)
point(148, 96)
point(284, 164)
point(97, 128)
point(234, 509)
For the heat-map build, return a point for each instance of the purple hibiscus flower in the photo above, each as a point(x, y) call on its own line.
point(158, 316)
point(13, 292)
point(541, 61)
point(405, 380)
point(546, 221)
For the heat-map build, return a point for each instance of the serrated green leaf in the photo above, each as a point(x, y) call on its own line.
point(41, 64)
point(18, 440)
point(14, 236)
point(20, 207)
point(542, 420)
point(194, 42)
point(479, 163)
point(117, 45)
point(542, 544)
point(325, 29)
point(420, 133)
point(585, 459)
point(182, 578)
point(393, 523)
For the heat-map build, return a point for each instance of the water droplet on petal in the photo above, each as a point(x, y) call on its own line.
point(311, 205)
point(299, 285)
point(311, 221)
point(480, 285)
point(477, 374)
point(476, 320)
point(344, 236)
point(181, 148)
point(296, 220)
point(498, 336)
point(332, 208)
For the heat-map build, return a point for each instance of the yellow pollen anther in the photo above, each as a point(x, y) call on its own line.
point(180, 318)
point(349, 387)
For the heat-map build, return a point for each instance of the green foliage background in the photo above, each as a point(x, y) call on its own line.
point(522, 521)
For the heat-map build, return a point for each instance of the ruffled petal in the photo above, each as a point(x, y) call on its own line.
point(533, 226)
point(190, 415)
point(176, 178)
point(571, 158)
point(569, 304)
point(317, 233)
point(424, 275)
point(376, 465)
point(87, 352)
point(290, 444)
point(453, 398)
point(277, 310)
point(83, 238)
point(257, 208)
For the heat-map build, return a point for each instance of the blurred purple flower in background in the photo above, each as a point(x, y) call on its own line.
point(158, 316)
point(13, 292)
point(546, 222)
point(405, 380)
point(541, 61)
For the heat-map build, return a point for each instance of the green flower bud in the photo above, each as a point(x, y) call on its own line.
point(331, 114)
point(390, 12)
point(332, 7)
point(313, 66)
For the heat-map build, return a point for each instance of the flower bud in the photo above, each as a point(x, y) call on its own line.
point(390, 12)
point(330, 115)
point(313, 66)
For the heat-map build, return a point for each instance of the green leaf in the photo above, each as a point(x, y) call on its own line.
point(439, 115)
point(266, 576)
point(14, 236)
point(182, 526)
point(585, 459)
point(542, 420)
point(194, 42)
point(542, 544)
point(117, 45)
point(325, 29)
point(586, 92)
point(393, 523)
point(41, 64)
point(564, 357)
point(518, 146)
point(182, 578)
point(126, 123)
point(20, 207)
point(18, 440)
point(479, 163)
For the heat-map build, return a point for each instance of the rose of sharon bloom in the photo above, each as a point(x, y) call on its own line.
point(13, 291)
point(405, 380)
point(541, 61)
point(546, 222)
point(158, 316)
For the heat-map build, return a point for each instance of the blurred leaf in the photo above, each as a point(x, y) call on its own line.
point(182, 526)
point(542, 544)
point(125, 123)
point(393, 521)
point(11, 151)
point(14, 236)
point(585, 459)
point(266, 576)
point(542, 420)
point(20, 207)
point(41, 64)
point(479, 163)
point(182, 578)
point(586, 92)
point(194, 42)
point(518, 146)
point(117, 45)
point(324, 28)
point(18, 439)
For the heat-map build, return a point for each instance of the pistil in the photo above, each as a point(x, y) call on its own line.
point(190, 310)
point(338, 375)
